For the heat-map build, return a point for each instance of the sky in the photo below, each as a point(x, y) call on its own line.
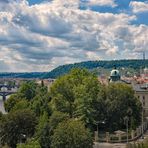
point(39, 35)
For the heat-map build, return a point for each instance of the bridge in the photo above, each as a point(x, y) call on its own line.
point(6, 90)
point(9, 87)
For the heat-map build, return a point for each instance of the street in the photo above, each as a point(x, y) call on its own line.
point(108, 145)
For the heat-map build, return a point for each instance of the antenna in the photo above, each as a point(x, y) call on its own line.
point(143, 55)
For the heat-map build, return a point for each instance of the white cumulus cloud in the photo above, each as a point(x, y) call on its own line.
point(103, 3)
point(139, 7)
point(43, 36)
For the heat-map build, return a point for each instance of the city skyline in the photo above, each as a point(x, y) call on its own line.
point(39, 35)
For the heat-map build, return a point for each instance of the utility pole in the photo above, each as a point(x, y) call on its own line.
point(144, 55)
point(142, 119)
point(127, 128)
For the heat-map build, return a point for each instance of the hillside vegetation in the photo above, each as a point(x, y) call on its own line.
point(61, 70)
point(131, 65)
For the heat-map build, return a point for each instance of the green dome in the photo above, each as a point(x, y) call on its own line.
point(115, 75)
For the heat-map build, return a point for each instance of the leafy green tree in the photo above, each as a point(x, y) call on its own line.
point(86, 94)
point(40, 104)
point(75, 93)
point(100, 107)
point(56, 118)
point(71, 134)
point(45, 136)
point(28, 90)
point(42, 121)
point(11, 102)
point(45, 129)
point(16, 124)
point(121, 102)
point(21, 105)
point(41, 90)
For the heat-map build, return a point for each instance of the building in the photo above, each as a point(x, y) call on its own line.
point(141, 92)
point(114, 75)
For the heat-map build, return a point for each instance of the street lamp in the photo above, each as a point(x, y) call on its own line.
point(142, 120)
point(126, 119)
point(22, 136)
point(97, 126)
point(97, 123)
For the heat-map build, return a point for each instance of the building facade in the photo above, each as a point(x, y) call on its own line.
point(141, 92)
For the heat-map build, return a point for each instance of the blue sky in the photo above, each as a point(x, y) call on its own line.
point(37, 35)
point(32, 2)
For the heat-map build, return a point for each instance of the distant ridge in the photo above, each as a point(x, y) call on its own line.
point(90, 65)
point(27, 75)
point(61, 70)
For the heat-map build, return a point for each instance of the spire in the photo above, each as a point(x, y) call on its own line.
point(143, 55)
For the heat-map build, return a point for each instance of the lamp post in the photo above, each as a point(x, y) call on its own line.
point(22, 136)
point(142, 120)
point(97, 132)
point(97, 123)
point(126, 119)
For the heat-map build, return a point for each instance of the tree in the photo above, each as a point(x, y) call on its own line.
point(46, 129)
point(43, 120)
point(86, 94)
point(40, 104)
point(43, 131)
point(28, 90)
point(74, 94)
point(45, 136)
point(21, 105)
point(55, 119)
point(16, 124)
point(71, 134)
point(11, 102)
point(120, 102)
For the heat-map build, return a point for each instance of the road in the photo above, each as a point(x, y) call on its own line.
point(108, 145)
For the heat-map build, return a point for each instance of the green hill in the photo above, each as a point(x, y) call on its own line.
point(26, 75)
point(61, 70)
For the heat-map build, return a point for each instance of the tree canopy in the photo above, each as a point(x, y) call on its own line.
point(80, 94)
point(71, 134)
point(75, 93)
point(16, 124)
point(69, 113)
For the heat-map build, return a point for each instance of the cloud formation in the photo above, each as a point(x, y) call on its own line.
point(42, 36)
point(110, 3)
point(139, 7)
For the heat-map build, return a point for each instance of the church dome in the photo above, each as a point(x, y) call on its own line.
point(114, 73)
